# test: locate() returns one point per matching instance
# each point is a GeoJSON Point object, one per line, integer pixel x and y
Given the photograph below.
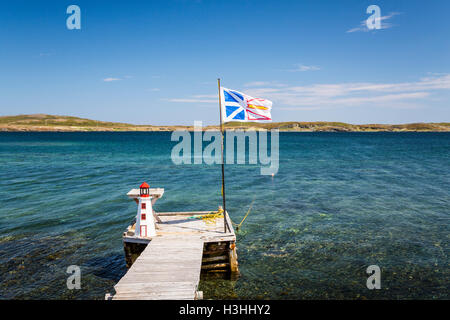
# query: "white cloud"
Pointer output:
{"type": "Point", "coordinates": [351, 94]}
{"type": "Point", "coordinates": [111, 79]}
{"type": "Point", "coordinates": [383, 23]}
{"type": "Point", "coordinates": [192, 100]}
{"type": "Point", "coordinates": [205, 96]}
{"type": "Point", "coordinates": [199, 98]}
{"type": "Point", "coordinates": [303, 68]}
{"type": "Point", "coordinates": [263, 83]}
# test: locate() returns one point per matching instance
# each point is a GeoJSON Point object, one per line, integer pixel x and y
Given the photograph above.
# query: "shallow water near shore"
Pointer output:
{"type": "Point", "coordinates": [339, 203]}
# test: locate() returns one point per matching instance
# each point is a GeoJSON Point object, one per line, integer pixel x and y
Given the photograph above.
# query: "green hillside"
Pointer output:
{"type": "Point", "coordinates": [45, 122]}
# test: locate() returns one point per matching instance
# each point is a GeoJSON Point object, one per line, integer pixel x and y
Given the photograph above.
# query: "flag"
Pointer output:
{"type": "Point", "coordinates": [237, 106]}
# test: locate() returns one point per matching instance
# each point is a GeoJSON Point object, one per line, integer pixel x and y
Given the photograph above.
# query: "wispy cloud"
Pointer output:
{"type": "Point", "coordinates": [200, 98]}
{"type": "Point", "coordinates": [303, 68]}
{"type": "Point", "coordinates": [384, 24]}
{"type": "Point", "coordinates": [111, 79]}
{"type": "Point", "coordinates": [352, 94]}
{"type": "Point", "coordinates": [192, 100]}
{"type": "Point", "coordinates": [263, 83]}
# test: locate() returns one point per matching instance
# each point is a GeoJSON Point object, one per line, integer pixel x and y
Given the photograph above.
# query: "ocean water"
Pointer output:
{"type": "Point", "coordinates": [339, 203]}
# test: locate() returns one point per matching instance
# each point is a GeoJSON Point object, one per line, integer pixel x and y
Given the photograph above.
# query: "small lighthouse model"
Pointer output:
{"type": "Point", "coordinates": [145, 224]}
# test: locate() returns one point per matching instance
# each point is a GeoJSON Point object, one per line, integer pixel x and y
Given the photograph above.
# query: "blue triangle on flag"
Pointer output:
{"type": "Point", "coordinates": [229, 97]}
{"type": "Point", "coordinates": [240, 116]}
{"type": "Point", "coordinates": [237, 95]}
{"type": "Point", "coordinates": [230, 110]}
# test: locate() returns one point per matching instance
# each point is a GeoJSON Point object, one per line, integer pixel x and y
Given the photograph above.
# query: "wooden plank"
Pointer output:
{"type": "Point", "coordinates": [229, 224]}
{"type": "Point", "coordinates": [183, 213]}
{"type": "Point", "coordinates": [161, 284]}
{"type": "Point", "coordinates": [155, 297]}
{"type": "Point", "coordinates": [187, 294]}
{"type": "Point", "coordinates": [149, 278]}
{"type": "Point", "coordinates": [233, 259]}
{"type": "Point", "coordinates": [141, 289]}
{"type": "Point", "coordinates": [169, 268]}
{"type": "Point", "coordinates": [169, 271]}
{"type": "Point", "coordinates": [212, 259]}
{"type": "Point", "coordinates": [215, 266]}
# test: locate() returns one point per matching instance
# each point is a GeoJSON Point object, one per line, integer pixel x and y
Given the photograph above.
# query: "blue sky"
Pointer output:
{"type": "Point", "coordinates": [156, 62]}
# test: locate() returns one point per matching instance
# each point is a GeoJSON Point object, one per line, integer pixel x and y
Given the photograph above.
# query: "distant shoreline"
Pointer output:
{"type": "Point", "coordinates": [55, 123]}
{"type": "Point", "coordinates": [31, 130]}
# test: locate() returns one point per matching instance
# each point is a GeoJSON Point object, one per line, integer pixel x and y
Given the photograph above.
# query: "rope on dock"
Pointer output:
{"type": "Point", "coordinates": [210, 218]}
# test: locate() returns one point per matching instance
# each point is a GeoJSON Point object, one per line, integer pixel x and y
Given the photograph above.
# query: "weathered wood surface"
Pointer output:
{"type": "Point", "coordinates": [170, 265]}
{"type": "Point", "coordinates": [182, 213]}
{"type": "Point", "coordinates": [168, 269]}
{"type": "Point", "coordinates": [181, 224]}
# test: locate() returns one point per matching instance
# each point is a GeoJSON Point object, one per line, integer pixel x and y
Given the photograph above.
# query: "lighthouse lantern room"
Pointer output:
{"type": "Point", "coordinates": [145, 224]}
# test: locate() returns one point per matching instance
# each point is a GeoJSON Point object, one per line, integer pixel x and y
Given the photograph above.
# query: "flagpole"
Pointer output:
{"type": "Point", "coordinates": [223, 163]}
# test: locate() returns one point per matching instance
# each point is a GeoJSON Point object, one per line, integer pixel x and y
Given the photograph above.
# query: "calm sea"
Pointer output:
{"type": "Point", "coordinates": [339, 203]}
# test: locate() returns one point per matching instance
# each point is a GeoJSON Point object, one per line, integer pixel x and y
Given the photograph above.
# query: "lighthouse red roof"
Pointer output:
{"type": "Point", "coordinates": [144, 185]}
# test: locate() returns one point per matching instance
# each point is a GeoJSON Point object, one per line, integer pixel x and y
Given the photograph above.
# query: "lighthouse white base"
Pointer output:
{"type": "Point", "coordinates": [145, 222]}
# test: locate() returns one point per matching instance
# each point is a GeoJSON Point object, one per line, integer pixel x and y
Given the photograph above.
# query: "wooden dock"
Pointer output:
{"type": "Point", "coordinates": [168, 266]}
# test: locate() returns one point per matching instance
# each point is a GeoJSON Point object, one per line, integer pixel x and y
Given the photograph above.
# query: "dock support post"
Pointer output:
{"type": "Point", "coordinates": [233, 260]}
{"type": "Point", "coordinates": [198, 295]}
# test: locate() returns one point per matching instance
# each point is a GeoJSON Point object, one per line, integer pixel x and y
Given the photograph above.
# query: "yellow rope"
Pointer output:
{"type": "Point", "coordinates": [245, 217]}
{"type": "Point", "coordinates": [210, 218]}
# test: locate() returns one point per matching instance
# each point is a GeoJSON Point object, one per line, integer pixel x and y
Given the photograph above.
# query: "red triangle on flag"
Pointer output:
{"type": "Point", "coordinates": [261, 117]}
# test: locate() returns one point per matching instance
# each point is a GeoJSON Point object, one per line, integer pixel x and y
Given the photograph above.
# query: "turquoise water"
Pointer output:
{"type": "Point", "coordinates": [339, 203]}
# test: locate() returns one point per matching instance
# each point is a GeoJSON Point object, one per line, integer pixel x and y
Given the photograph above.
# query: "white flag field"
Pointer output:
{"type": "Point", "coordinates": [237, 106]}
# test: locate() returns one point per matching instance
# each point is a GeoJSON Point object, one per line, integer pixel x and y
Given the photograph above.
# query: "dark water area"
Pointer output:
{"type": "Point", "coordinates": [339, 203]}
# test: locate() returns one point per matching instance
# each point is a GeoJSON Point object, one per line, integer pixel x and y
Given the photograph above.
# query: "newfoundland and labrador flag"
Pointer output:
{"type": "Point", "coordinates": [237, 106]}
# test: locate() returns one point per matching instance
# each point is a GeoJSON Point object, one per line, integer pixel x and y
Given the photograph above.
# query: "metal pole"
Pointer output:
{"type": "Point", "coordinates": [223, 163]}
